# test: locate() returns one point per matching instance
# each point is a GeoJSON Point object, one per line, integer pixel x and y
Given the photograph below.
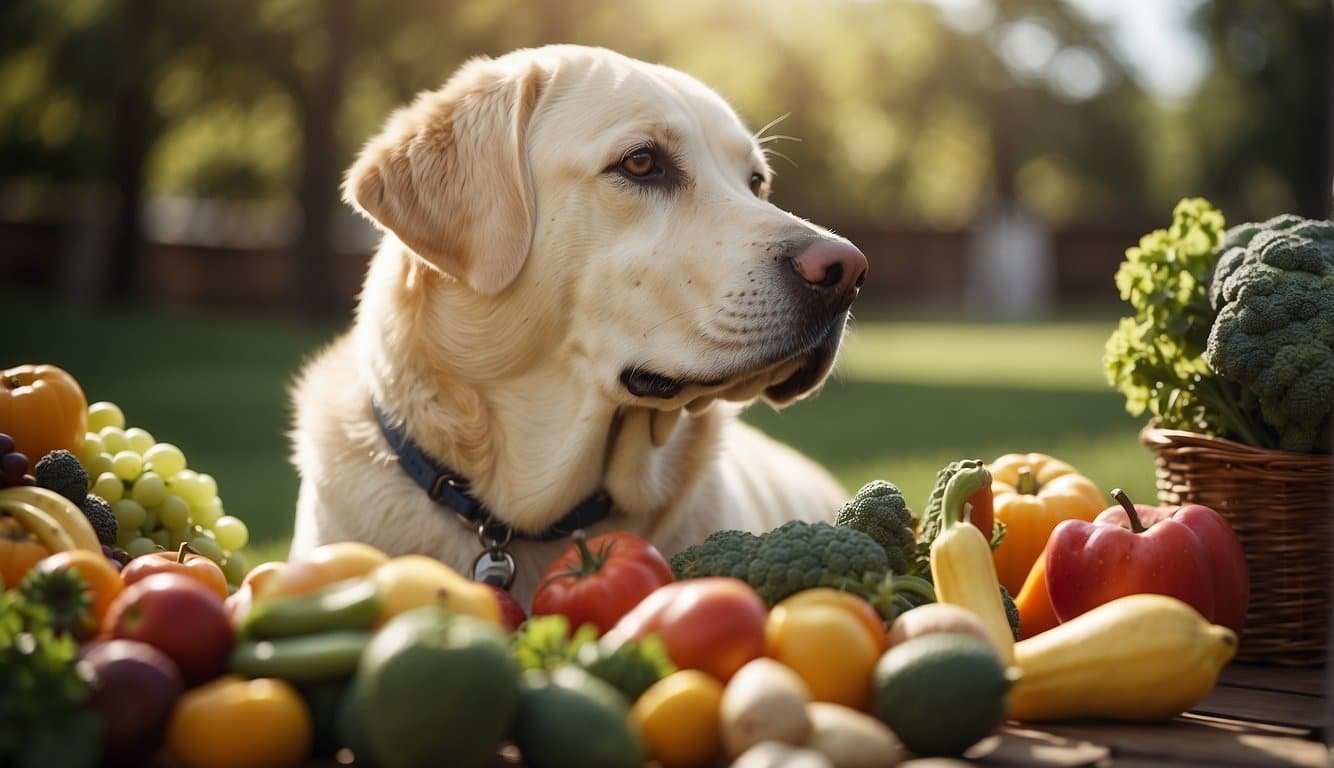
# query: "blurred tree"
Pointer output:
{"type": "Point", "coordinates": [1261, 118]}
{"type": "Point", "coordinates": [910, 113]}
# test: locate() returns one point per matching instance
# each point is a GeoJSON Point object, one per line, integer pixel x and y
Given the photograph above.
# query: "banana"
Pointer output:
{"type": "Point", "coordinates": [62, 510]}
{"type": "Point", "coordinates": [1140, 657]}
{"type": "Point", "coordinates": [39, 524]}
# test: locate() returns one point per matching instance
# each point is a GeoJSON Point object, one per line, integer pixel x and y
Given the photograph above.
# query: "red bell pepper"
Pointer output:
{"type": "Point", "coordinates": [599, 580]}
{"type": "Point", "coordinates": [1189, 553]}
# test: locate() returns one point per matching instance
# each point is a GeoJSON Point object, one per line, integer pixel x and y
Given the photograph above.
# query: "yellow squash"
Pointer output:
{"type": "Point", "coordinates": [961, 566]}
{"type": "Point", "coordinates": [1140, 657]}
{"type": "Point", "coordinates": [1033, 493]}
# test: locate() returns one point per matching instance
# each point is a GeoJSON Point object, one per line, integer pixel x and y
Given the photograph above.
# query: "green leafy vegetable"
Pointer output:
{"type": "Point", "coordinates": [42, 690]}
{"type": "Point", "coordinates": [1155, 357]}
{"type": "Point", "coordinates": [1233, 331]}
{"type": "Point", "coordinates": [544, 643]}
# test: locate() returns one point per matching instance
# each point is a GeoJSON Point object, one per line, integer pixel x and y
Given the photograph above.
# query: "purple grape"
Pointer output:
{"type": "Point", "coordinates": [6, 444]}
{"type": "Point", "coordinates": [14, 466]}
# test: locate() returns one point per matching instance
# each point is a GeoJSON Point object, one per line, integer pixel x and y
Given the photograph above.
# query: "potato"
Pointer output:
{"type": "Point", "coordinates": [936, 617]}
{"type": "Point", "coordinates": [851, 739]}
{"type": "Point", "coordinates": [774, 754]}
{"type": "Point", "coordinates": [764, 701]}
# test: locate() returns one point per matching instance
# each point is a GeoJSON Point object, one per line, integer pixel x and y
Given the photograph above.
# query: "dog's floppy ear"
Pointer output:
{"type": "Point", "coordinates": [449, 175]}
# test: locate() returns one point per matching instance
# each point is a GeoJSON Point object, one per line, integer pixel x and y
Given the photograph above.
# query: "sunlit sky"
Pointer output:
{"type": "Point", "coordinates": [1154, 37]}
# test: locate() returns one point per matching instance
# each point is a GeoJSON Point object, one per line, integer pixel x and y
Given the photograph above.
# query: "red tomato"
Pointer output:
{"type": "Point", "coordinates": [714, 625]}
{"type": "Point", "coordinates": [196, 566]}
{"type": "Point", "coordinates": [597, 581]}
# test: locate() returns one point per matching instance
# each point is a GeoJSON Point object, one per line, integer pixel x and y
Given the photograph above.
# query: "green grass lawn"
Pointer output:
{"type": "Point", "coordinates": [908, 397]}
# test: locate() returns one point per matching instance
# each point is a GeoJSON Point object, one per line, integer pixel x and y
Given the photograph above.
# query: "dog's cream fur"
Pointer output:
{"type": "Point", "coordinates": [517, 278]}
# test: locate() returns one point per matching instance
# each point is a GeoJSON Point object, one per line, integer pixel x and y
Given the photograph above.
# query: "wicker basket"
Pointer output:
{"type": "Point", "coordinates": [1279, 503]}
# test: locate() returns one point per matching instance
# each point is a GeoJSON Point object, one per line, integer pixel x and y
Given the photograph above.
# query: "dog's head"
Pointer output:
{"type": "Point", "coordinates": [615, 213]}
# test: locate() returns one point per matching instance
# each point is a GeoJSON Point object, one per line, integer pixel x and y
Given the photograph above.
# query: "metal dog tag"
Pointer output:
{"type": "Point", "coordinates": [494, 566]}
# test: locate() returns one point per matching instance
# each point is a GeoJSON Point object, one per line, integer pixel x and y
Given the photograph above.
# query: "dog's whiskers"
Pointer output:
{"type": "Point", "coordinates": [756, 136]}
{"type": "Point", "coordinates": [771, 152]}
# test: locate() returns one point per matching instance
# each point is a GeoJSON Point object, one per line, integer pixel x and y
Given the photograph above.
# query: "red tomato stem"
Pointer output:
{"type": "Point", "coordinates": [589, 562]}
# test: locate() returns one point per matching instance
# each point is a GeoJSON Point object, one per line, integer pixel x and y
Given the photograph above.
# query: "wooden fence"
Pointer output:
{"type": "Point", "coordinates": [915, 267]}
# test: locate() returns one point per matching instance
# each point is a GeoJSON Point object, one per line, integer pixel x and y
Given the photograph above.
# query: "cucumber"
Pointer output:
{"type": "Point", "coordinates": [349, 604]}
{"type": "Point", "coordinates": [301, 659]}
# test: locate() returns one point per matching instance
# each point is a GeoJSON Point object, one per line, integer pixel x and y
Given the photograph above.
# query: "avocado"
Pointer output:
{"type": "Point", "coordinates": [572, 718]}
{"type": "Point", "coordinates": [436, 689]}
{"type": "Point", "coordinates": [941, 693]}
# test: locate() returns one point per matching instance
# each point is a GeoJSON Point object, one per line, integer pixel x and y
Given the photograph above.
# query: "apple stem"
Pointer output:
{"type": "Point", "coordinates": [185, 549]}
{"type": "Point", "coordinates": [1124, 500]}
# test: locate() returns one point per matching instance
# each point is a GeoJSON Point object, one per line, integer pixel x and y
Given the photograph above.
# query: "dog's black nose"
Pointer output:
{"type": "Point", "coordinates": [833, 266]}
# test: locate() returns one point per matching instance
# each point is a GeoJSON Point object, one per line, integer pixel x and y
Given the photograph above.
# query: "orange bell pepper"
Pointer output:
{"type": "Point", "coordinates": [1036, 614]}
{"type": "Point", "coordinates": [1033, 493]}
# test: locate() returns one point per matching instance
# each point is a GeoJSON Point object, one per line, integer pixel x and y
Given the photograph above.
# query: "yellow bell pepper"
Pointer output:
{"type": "Point", "coordinates": [1033, 493]}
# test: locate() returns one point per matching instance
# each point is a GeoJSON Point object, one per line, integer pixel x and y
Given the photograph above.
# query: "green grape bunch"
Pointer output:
{"type": "Point", "coordinates": [159, 502]}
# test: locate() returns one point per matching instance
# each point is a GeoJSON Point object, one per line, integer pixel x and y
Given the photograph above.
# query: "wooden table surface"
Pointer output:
{"type": "Point", "coordinates": [1256, 716]}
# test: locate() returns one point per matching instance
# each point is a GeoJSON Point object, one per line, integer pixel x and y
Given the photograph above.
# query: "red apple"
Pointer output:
{"type": "Point", "coordinates": [134, 688]}
{"type": "Point", "coordinates": [184, 561]}
{"type": "Point", "coordinates": [178, 616]}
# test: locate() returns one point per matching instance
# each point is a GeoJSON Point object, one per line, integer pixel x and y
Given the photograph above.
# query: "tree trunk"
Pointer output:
{"type": "Point", "coordinates": [314, 279]}
{"type": "Point", "coordinates": [132, 135]}
{"type": "Point", "coordinates": [1327, 93]}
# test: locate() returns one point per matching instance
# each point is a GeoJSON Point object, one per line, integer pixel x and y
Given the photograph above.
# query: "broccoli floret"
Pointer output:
{"type": "Point", "coordinates": [99, 513]}
{"type": "Point", "coordinates": [1011, 611]}
{"type": "Point", "coordinates": [724, 553]}
{"type": "Point", "coordinates": [880, 511]}
{"type": "Point", "coordinates": [800, 555]}
{"type": "Point", "coordinates": [60, 471]}
{"type": "Point", "coordinates": [1273, 290]}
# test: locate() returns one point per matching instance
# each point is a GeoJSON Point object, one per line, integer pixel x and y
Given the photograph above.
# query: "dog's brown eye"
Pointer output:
{"type": "Point", "coordinates": [639, 163]}
{"type": "Point", "coordinates": [756, 184]}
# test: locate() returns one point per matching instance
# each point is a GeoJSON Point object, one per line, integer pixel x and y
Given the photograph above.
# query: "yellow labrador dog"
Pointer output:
{"type": "Point", "coordinates": [580, 283]}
